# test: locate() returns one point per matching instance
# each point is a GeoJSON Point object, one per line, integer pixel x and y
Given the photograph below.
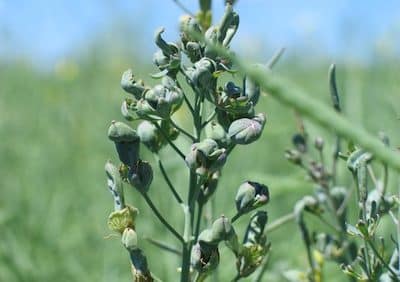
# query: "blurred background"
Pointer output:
{"type": "Point", "coordinates": [60, 67]}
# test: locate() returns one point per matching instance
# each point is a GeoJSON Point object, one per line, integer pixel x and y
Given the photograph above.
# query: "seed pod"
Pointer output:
{"type": "Point", "coordinates": [128, 109]}
{"type": "Point", "coordinates": [299, 142]}
{"type": "Point", "coordinates": [131, 85]}
{"type": "Point", "coordinates": [120, 220]}
{"type": "Point", "coordinates": [169, 57]}
{"type": "Point", "coordinates": [140, 176]}
{"type": "Point", "coordinates": [126, 141]}
{"type": "Point", "coordinates": [245, 131]}
{"type": "Point", "coordinates": [129, 239]}
{"type": "Point", "coordinates": [250, 196]}
{"type": "Point", "coordinates": [208, 188]}
{"type": "Point", "coordinates": [222, 230]}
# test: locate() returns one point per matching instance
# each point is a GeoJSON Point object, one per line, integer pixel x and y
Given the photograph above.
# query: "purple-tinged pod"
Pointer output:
{"type": "Point", "coordinates": [250, 196]}
{"type": "Point", "coordinates": [140, 176]}
{"type": "Point", "coordinates": [131, 85]}
{"type": "Point", "coordinates": [245, 130]}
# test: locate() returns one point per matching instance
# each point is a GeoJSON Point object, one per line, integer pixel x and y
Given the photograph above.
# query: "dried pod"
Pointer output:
{"type": "Point", "coordinates": [121, 219]}
{"type": "Point", "coordinates": [140, 176]}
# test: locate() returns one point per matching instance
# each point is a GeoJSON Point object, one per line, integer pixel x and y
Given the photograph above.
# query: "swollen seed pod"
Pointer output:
{"type": "Point", "coordinates": [120, 220]}
{"type": "Point", "coordinates": [131, 85]}
{"type": "Point", "coordinates": [140, 176]}
{"type": "Point", "coordinates": [222, 230]}
{"type": "Point", "coordinates": [129, 239]}
{"type": "Point", "coordinates": [204, 260]}
{"type": "Point", "coordinates": [245, 131]}
{"type": "Point", "coordinates": [250, 196]}
{"type": "Point", "coordinates": [216, 132]}
{"type": "Point", "coordinates": [126, 141]}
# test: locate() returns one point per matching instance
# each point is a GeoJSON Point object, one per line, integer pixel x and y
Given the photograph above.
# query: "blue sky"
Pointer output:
{"type": "Point", "coordinates": [46, 31]}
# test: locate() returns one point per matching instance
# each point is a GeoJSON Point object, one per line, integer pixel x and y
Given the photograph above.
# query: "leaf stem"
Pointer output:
{"type": "Point", "coordinates": [169, 183]}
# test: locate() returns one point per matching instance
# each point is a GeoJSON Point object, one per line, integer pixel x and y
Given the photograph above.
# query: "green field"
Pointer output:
{"type": "Point", "coordinates": [54, 201]}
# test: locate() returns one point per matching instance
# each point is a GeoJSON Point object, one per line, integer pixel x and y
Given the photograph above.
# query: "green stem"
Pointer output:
{"type": "Point", "coordinates": [279, 222]}
{"type": "Point", "coordinates": [198, 221]}
{"type": "Point", "coordinates": [179, 152]}
{"type": "Point", "coordinates": [163, 246]}
{"type": "Point", "coordinates": [169, 183]}
{"type": "Point", "coordinates": [183, 131]}
{"type": "Point", "coordinates": [370, 243]}
{"type": "Point", "coordinates": [161, 218]}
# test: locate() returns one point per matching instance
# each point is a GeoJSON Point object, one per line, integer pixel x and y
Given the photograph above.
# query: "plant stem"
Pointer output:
{"type": "Point", "coordinates": [179, 152]}
{"type": "Point", "coordinates": [183, 131]}
{"type": "Point", "coordinates": [165, 175]}
{"type": "Point", "coordinates": [161, 218]}
{"type": "Point", "coordinates": [198, 221]}
{"type": "Point", "coordinates": [370, 243]}
{"type": "Point", "coordinates": [163, 246]}
{"type": "Point", "coordinates": [279, 222]}
{"type": "Point", "coordinates": [185, 271]}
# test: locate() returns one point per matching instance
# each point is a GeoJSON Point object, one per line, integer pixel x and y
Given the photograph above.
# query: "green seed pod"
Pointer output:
{"type": "Point", "coordinates": [149, 136]}
{"type": "Point", "coordinates": [168, 58]}
{"type": "Point", "coordinates": [127, 142]}
{"type": "Point", "coordinates": [114, 183]}
{"type": "Point", "coordinates": [202, 76]}
{"type": "Point", "coordinates": [129, 239]}
{"type": "Point", "coordinates": [222, 230]}
{"type": "Point", "coordinates": [204, 261]}
{"type": "Point", "coordinates": [228, 26]}
{"type": "Point", "coordinates": [205, 157]}
{"type": "Point", "coordinates": [120, 220]}
{"type": "Point", "coordinates": [245, 130]}
{"type": "Point", "coordinates": [131, 85]}
{"type": "Point", "coordinates": [211, 36]}
{"type": "Point", "coordinates": [250, 196]}
{"type": "Point", "coordinates": [140, 176]}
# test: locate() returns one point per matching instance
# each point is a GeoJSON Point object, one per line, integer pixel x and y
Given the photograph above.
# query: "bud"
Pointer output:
{"type": "Point", "coordinates": [168, 58]}
{"type": "Point", "coordinates": [216, 132]}
{"type": "Point", "coordinates": [205, 157]}
{"type": "Point", "coordinates": [128, 109]}
{"type": "Point", "coordinates": [299, 142]}
{"type": "Point", "coordinates": [129, 239]}
{"type": "Point", "coordinates": [149, 136]}
{"type": "Point", "coordinates": [293, 156]}
{"type": "Point", "coordinates": [251, 256]}
{"type": "Point", "coordinates": [245, 131]}
{"type": "Point", "coordinates": [131, 85]}
{"type": "Point", "coordinates": [319, 143]}
{"type": "Point", "coordinates": [250, 196]}
{"type": "Point", "coordinates": [202, 76]}
{"type": "Point", "coordinates": [140, 176]}
{"type": "Point", "coordinates": [120, 220]}
{"type": "Point", "coordinates": [127, 142]}
{"type": "Point", "coordinates": [160, 102]}
{"type": "Point", "coordinates": [222, 230]}
{"type": "Point", "coordinates": [208, 188]}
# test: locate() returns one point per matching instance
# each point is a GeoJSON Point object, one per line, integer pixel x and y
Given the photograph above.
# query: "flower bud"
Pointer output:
{"type": "Point", "coordinates": [149, 136]}
{"type": "Point", "coordinates": [245, 130]}
{"type": "Point", "coordinates": [202, 76]}
{"type": "Point", "coordinates": [299, 142]}
{"type": "Point", "coordinates": [128, 109]}
{"type": "Point", "coordinates": [129, 239]}
{"type": "Point", "coordinates": [251, 256]}
{"type": "Point", "coordinates": [131, 85]}
{"type": "Point", "coordinates": [319, 143]}
{"type": "Point", "coordinates": [140, 176]}
{"type": "Point", "coordinates": [126, 141]}
{"type": "Point", "coordinates": [120, 220]}
{"type": "Point", "coordinates": [250, 196]}
{"type": "Point", "coordinates": [160, 102]}
{"type": "Point", "coordinates": [205, 157]}
{"type": "Point", "coordinates": [293, 156]}
{"type": "Point", "coordinates": [168, 58]}
{"type": "Point", "coordinates": [208, 188]}
{"type": "Point", "coordinates": [216, 132]}
{"type": "Point", "coordinates": [222, 230]}
{"type": "Point", "coordinates": [228, 26]}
